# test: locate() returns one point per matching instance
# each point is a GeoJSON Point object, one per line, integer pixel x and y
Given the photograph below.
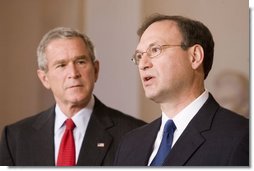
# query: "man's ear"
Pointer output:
{"type": "Point", "coordinates": [43, 77]}
{"type": "Point", "coordinates": [197, 56]}
{"type": "Point", "coordinates": [96, 69]}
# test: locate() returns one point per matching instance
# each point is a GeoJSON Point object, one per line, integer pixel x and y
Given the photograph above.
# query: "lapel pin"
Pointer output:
{"type": "Point", "coordinates": [100, 144]}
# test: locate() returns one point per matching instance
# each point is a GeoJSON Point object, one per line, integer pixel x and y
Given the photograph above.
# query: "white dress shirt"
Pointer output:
{"type": "Point", "coordinates": [181, 121]}
{"type": "Point", "coordinates": [80, 119]}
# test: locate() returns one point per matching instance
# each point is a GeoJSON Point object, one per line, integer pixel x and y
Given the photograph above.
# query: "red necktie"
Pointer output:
{"type": "Point", "coordinates": [66, 155]}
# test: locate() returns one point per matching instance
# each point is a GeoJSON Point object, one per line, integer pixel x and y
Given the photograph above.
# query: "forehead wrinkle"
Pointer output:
{"type": "Point", "coordinates": [81, 57]}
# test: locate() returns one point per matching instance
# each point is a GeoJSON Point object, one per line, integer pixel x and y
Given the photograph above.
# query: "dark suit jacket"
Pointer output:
{"type": "Point", "coordinates": [30, 142]}
{"type": "Point", "coordinates": [214, 137]}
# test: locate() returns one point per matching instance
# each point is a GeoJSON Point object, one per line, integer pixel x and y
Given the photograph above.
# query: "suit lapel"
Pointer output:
{"type": "Point", "coordinates": [186, 145]}
{"type": "Point", "coordinates": [97, 140]}
{"type": "Point", "coordinates": [191, 139]}
{"type": "Point", "coordinates": [43, 139]}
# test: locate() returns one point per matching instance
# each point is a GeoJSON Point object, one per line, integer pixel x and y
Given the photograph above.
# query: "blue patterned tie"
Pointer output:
{"type": "Point", "coordinates": [165, 145]}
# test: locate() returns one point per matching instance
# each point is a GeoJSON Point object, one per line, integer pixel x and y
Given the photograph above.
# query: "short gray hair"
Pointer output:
{"type": "Point", "coordinates": [60, 33]}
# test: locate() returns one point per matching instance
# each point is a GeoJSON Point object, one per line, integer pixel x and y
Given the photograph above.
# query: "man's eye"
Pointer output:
{"type": "Point", "coordinates": [138, 56]}
{"type": "Point", "coordinates": [60, 65]}
{"type": "Point", "coordinates": [81, 61]}
{"type": "Point", "coordinates": [154, 49]}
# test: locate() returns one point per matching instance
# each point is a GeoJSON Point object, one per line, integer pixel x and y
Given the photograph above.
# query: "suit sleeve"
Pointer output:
{"type": "Point", "coordinates": [5, 154]}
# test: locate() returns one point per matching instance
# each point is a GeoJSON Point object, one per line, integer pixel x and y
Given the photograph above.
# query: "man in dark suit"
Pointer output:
{"type": "Point", "coordinates": [174, 57]}
{"type": "Point", "coordinates": [67, 66]}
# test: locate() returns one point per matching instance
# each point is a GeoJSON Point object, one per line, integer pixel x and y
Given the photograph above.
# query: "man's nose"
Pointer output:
{"type": "Point", "coordinates": [145, 62]}
{"type": "Point", "coordinates": [73, 71]}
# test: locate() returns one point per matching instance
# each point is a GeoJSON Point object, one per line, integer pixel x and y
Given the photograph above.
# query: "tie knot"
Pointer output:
{"type": "Point", "coordinates": [69, 124]}
{"type": "Point", "coordinates": [169, 126]}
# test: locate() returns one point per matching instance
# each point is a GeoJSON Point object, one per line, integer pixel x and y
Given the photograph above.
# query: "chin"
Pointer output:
{"type": "Point", "coordinates": [155, 97]}
{"type": "Point", "coordinates": [150, 96]}
{"type": "Point", "coordinates": [77, 100]}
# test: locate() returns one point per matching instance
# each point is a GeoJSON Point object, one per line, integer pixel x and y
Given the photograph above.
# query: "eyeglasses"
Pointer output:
{"type": "Point", "coordinates": [151, 52]}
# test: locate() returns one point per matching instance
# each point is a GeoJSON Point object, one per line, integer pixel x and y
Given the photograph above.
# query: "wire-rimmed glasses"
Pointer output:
{"type": "Point", "coordinates": [152, 51]}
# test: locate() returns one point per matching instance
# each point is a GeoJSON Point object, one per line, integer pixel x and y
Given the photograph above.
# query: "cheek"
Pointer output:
{"type": "Point", "coordinates": [56, 85]}
{"type": "Point", "coordinates": [55, 81]}
{"type": "Point", "coordinates": [167, 74]}
{"type": "Point", "coordinates": [169, 71]}
{"type": "Point", "coordinates": [166, 67]}
{"type": "Point", "coordinates": [90, 76]}
{"type": "Point", "coordinates": [185, 67]}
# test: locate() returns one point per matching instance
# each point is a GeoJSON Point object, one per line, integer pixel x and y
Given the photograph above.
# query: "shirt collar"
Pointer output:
{"type": "Point", "coordinates": [79, 118]}
{"type": "Point", "coordinates": [183, 118]}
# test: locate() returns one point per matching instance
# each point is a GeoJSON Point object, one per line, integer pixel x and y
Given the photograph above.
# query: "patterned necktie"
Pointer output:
{"type": "Point", "coordinates": [66, 155]}
{"type": "Point", "coordinates": [165, 145]}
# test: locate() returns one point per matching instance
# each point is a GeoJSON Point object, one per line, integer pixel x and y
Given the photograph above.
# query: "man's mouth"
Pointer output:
{"type": "Point", "coordinates": [75, 86]}
{"type": "Point", "coordinates": [147, 78]}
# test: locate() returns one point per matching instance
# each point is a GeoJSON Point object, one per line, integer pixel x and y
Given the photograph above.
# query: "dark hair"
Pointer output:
{"type": "Point", "coordinates": [193, 32]}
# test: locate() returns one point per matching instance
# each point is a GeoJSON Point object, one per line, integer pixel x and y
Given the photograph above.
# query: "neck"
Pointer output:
{"type": "Point", "coordinates": [172, 107]}
{"type": "Point", "coordinates": [70, 109]}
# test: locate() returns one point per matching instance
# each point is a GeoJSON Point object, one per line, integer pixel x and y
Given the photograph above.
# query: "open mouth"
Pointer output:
{"type": "Point", "coordinates": [147, 78]}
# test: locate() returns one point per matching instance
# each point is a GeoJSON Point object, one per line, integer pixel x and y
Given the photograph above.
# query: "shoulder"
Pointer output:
{"type": "Point", "coordinates": [123, 118]}
{"type": "Point", "coordinates": [146, 131]}
{"type": "Point", "coordinates": [117, 116]}
{"type": "Point", "coordinates": [220, 116]}
{"type": "Point", "coordinates": [136, 144]}
{"type": "Point", "coordinates": [220, 123]}
{"type": "Point", "coordinates": [230, 120]}
{"type": "Point", "coordinates": [29, 122]}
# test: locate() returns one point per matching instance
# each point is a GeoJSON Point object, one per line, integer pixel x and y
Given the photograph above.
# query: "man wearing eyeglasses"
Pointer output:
{"type": "Point", "coordinates": [174, 56]}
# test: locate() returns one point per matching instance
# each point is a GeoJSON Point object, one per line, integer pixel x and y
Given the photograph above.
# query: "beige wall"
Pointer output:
{"type": "Point", "coordinates": [112, 26]}
{"type": "Point", "coordinates": [22, 25]}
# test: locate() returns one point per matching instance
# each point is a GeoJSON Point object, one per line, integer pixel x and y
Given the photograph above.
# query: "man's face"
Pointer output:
{"type": "Point", "coordinates": [168, 74]}
{"type": "Point", "coordinates": [71, 73]}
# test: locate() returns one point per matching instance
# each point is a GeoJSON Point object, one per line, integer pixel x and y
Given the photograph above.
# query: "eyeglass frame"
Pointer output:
{"type": "Point", "coordinates": [134, 57]}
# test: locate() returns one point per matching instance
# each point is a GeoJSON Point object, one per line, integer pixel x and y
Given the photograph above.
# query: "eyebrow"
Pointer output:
{"type": "Point", "coordinates": [81, 57]}
{"type": "Point", "coordinates": [151, 44]}
{"type": "Point", "coordinates": [75, 58]}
